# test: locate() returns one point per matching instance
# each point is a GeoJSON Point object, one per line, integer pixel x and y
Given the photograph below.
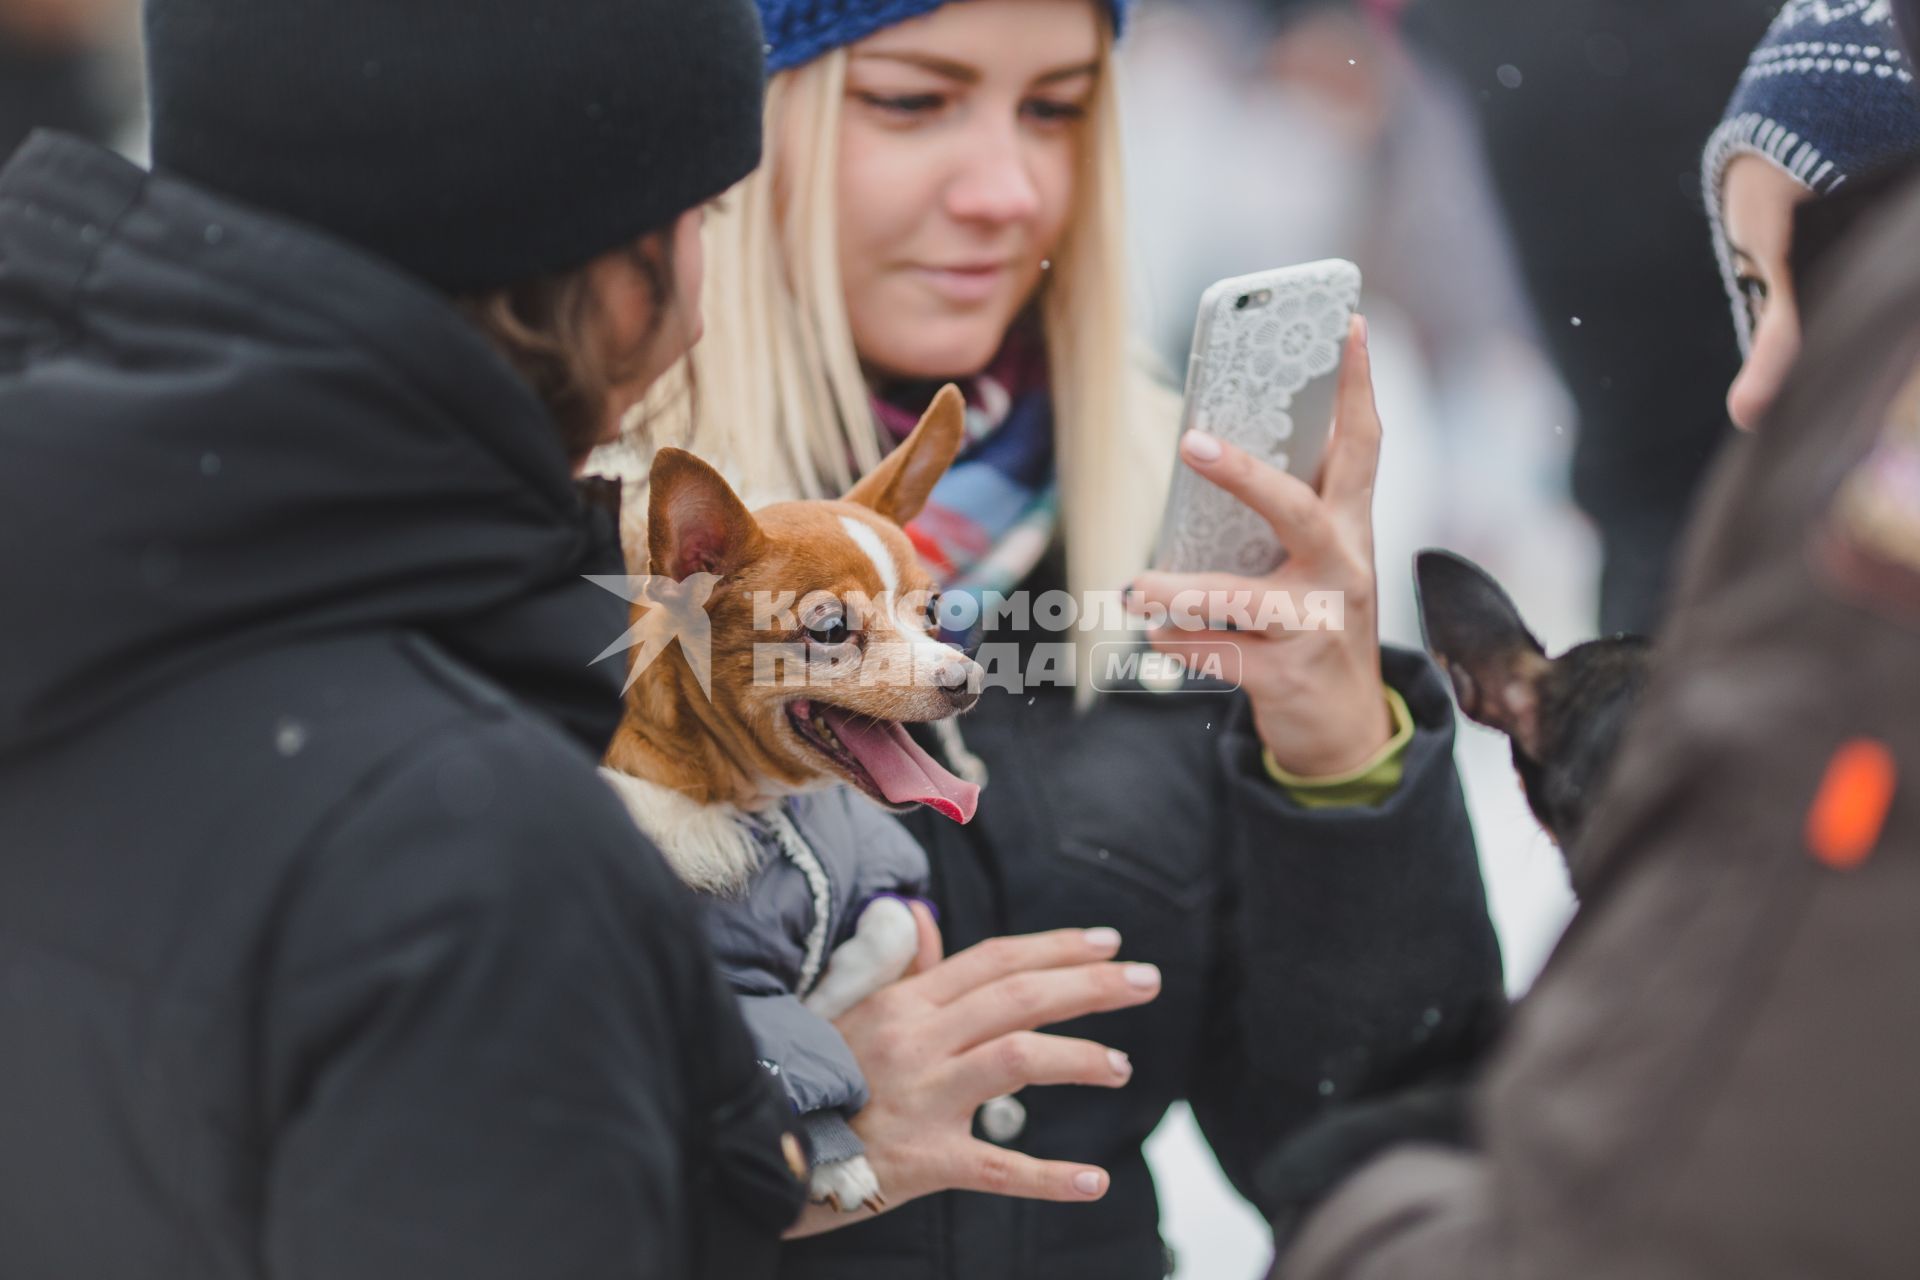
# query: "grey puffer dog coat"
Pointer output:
{"type": "Point", "coordinates": [825, 856]}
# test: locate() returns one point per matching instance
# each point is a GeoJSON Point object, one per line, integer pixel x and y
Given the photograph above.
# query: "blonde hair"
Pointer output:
{"type": "Point", "coordinates": [784, 408]}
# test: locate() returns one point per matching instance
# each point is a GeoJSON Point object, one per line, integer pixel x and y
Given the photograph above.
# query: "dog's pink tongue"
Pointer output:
{"type": "Point", "coordinates": [906, 774]}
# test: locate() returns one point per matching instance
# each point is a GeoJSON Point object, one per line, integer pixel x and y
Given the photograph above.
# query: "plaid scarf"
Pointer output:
{"type": "Point", "coordinates": [991, 517]}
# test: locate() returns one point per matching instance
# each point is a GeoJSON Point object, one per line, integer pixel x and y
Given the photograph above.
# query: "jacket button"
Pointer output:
{"type": "Point", "coordinates": [1002, 1119]}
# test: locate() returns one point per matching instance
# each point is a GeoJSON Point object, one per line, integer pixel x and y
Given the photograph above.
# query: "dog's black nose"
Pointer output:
{"type": "Point", "coordinates": [960, 683]}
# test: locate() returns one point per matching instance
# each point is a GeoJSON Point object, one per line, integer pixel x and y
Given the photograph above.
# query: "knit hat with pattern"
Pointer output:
{"type": "Point", "coordinates": [1828, 95]}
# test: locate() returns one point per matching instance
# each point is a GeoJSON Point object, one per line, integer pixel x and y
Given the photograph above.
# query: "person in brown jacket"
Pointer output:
{"type": "Point", "coordinates": [1714, 1077]}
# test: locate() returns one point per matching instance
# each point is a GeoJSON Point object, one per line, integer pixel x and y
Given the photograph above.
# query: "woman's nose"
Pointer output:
{"type": "Point", "coordinates": [1776, 345]}
{"type": "Point", "coordinates": [995, 184]}
{"type": "Point", "coordinates": [1746, 402]}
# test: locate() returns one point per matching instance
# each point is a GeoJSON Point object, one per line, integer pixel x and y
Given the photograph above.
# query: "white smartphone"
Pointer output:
{"type": "Point", "coordinates": [1266, 362]}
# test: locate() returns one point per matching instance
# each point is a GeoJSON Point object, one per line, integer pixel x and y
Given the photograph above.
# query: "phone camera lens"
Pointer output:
{"type": "Point", "coordinates": [1240, 303]}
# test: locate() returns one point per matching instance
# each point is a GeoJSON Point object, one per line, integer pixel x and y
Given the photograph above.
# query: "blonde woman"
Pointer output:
{"type": "Point", "coordinates": [1290, 867]}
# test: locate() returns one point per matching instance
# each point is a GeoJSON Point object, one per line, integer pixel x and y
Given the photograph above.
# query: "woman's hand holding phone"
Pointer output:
{"type": "Point", "coordinates": [1318, 701]}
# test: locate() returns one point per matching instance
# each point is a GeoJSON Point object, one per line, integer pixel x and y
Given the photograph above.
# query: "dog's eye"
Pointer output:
{"type": "Point", "coordinates": [932, 618]}
{"type": "Point", "coordinates": [829, 629]}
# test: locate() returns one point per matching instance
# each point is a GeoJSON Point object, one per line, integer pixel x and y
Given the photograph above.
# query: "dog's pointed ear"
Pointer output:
{"type": "Point", "coordinates": [695, 521]}
{"type": "Point", "coordinates": [899, 486]}
{"type": "Point", "coordinates": [1479, 639]}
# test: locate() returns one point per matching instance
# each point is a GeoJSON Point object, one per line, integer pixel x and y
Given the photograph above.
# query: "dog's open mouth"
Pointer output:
{"type": "Point", "coordinates": [878, 757]}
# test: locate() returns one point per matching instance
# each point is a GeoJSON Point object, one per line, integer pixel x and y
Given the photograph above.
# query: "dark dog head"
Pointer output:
{"type": "Point", "coordinates": [1565, 715]}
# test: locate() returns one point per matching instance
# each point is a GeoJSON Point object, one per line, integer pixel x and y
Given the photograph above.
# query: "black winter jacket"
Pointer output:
{"type": "Point", "coordinates": [324, 952]}
{"type": "Point", "coordinates": [1307, 957]}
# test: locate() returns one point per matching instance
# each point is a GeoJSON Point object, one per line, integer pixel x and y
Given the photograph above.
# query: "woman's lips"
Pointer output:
{"type": "Point", "coordinates": [970, 282]}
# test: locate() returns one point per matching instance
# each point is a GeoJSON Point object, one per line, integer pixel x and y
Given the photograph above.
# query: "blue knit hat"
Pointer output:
{"type": "Point", "coordinates": [799, 31]}
{"type": "Point", "coordinates": [1828, 95]}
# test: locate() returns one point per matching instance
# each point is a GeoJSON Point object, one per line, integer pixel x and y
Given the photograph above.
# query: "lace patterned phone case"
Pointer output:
{"type": "Point", "coordinates": [1264, 369]}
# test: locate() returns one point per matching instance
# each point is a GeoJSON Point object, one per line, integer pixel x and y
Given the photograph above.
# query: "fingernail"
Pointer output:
{"type": "Point", "coordinates": [1363, 337]}
{"type": "Point", "coordinates": [1201, 447]}
{"type": "Point", "coordinates": [1143, 976]}
{"type": "Point", "coordinates": [1089, 1183]}
{"type": "Point", "coordinates": [1122, 1065]}
{"type": "Point", "coordinates": [1102, 939]}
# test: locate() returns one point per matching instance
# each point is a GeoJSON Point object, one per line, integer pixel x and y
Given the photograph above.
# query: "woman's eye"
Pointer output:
{"type": "Point", "coordinates": [1754, 290]}
{"type": "Point", "coordinates": [1049, 111]}
{"type": "Point", "coordinates": [905, 106]}
{"type": "Point", "coordinates": [830, 630]}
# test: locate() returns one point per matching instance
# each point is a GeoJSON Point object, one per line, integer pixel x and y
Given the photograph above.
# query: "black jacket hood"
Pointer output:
{"type": "Point", "coordinates": [221, 431]}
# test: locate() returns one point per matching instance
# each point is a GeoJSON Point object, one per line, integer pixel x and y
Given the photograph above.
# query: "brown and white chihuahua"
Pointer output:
{"type": "Point", "coordinates": [835, 584]}
{"type": "Point", "coordinates": [819, 651]}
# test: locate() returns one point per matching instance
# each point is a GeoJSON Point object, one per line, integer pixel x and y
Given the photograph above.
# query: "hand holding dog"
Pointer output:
{"type": "Point", "coordinates": [1318, 701]}
{"type": "Point", "coordinates": [939, 1043]}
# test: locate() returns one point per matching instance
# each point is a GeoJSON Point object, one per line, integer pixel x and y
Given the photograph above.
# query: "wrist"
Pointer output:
{"type": "Point", "coordinates": [817, 1219]}
{"type": "Point", "coordinates": [1348, 744]}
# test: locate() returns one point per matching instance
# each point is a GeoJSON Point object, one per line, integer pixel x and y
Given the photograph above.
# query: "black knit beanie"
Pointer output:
{"type": "Point", "coordinates": [473, 144]}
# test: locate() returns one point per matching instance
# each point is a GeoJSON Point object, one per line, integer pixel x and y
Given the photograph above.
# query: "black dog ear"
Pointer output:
{"type": "Point", "coordinates": [1479, 639]}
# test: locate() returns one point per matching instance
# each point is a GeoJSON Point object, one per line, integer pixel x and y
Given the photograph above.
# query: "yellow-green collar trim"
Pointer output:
{"type": "Point", "coordinates": [1370, 785]}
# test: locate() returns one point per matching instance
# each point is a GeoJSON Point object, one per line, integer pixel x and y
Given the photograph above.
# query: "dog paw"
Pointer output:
{"type": "Point", "coordinates": [881, 949]}
{"type": "Point", "coordinates": [848, 1185]}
